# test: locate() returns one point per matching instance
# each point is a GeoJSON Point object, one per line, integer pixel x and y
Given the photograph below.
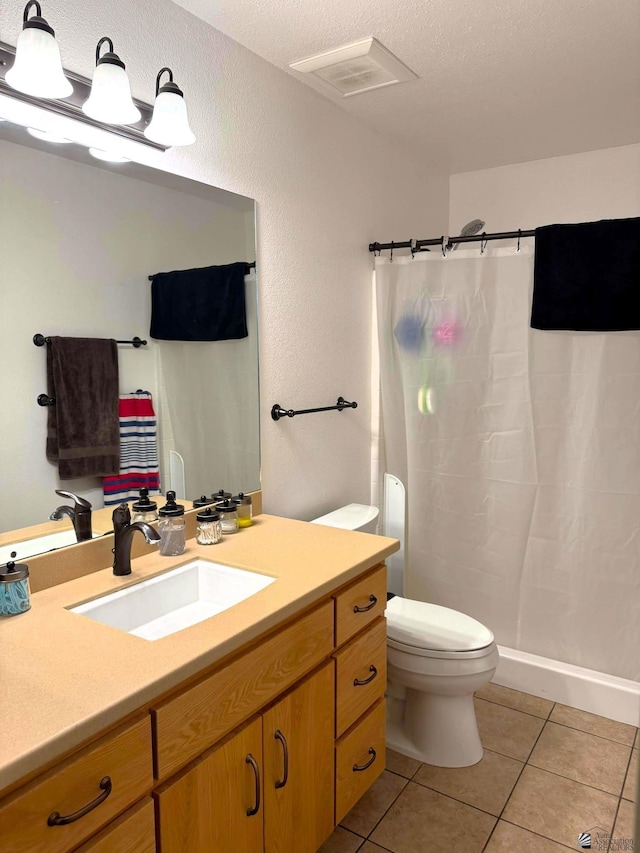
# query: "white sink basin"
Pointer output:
{"type": "Point", "coordinates": [39, 545]}
{"type": "Point", "coordinates": [174, 600]}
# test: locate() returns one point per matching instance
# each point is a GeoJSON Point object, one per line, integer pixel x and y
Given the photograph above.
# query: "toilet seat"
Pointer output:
{"type": "Point", "coordinates": [429, 630]}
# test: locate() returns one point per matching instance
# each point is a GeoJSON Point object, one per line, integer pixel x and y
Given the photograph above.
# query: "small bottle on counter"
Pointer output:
{"type": "Point", "coordinates": [171, 527]}
{"type": "Point", "coordinates": [228, 510]}
{"type": "Point", "coordinates": [14, 589]}
{"type": "Point", "coordinates": [220, 495]}
{"type": "Point", "coordinates": [144, 509]}
{"type": "Point", "coordinates": [209, 528]}
{"type": "Point", "coordinates": [245, 509]}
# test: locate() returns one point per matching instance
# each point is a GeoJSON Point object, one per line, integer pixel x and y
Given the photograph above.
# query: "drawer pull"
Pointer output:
{"type": "Point", "coordinates": [285, 775]}
{"type": "Point", "coordinates": [357, 682]}
{"type": "Point", "coordinates": [251, 760]}
{"type": "Point", "coordinates": [364, 609]}
{"type": "Point", "coordinates": [56, 819]}
{"type": "Point", "coordinates": [359, 768]}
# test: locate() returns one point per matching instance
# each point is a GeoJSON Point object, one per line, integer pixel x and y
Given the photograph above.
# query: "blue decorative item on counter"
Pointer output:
{"type": "Point", "coordinates": [14, 589]}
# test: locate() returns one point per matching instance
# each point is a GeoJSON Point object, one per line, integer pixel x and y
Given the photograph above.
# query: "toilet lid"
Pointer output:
{"type": "Point", "coordinates": [429, 626]}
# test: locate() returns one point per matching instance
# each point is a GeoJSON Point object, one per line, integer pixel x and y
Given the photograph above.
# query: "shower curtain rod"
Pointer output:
{"type": "Point", "coordinates": [419, 245]}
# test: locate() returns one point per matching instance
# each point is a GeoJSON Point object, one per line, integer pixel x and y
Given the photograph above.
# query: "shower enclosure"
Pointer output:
{"type": "Point", "coordinates": [520, 453]}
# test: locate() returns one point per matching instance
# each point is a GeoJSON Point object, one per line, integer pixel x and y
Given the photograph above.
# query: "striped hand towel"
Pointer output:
{"type": "Point", "coordinates": [138, 450]}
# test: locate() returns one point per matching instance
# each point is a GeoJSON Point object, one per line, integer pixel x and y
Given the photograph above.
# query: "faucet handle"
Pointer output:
{"type": "Point", "coordinates": [80, 503]}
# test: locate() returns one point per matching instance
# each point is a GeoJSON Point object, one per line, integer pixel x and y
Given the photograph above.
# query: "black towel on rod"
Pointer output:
{"type": "Point", "coordinates": [587, 276]}
{"type": "Point", "coordinates": [83, 431]}
{"type": "Point", "coordinates": [201, 304]}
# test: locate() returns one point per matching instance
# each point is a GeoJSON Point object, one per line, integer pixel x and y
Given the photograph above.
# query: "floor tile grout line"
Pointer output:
{"type": "Point", "coordinates": [566, 725]}
{"type": "Point", "coordinates": [368, 836]}
{"type": "Point", "coordinates": [537, 834]}
{"type": "Point", "coordinates": [511, 708]}
{"type": "Point", "coordinates": [602, 737]}
{"type": "Point", "coordinates": [524, 764]}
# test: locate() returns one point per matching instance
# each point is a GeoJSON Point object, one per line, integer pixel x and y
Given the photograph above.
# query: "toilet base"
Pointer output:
{"type": "Point", "coordinates": [437, 730]}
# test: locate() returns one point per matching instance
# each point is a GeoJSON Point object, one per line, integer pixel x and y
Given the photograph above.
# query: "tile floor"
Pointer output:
{"type": "Point", "coordinates": [549, 772]}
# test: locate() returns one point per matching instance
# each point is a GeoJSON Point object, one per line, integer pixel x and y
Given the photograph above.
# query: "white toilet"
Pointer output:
{"type": "Point", "coordinates": [436, 659]}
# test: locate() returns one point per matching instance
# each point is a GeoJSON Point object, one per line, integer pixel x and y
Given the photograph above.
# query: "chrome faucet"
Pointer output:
{"type": "Point", "coordinates": [123, 532]}
{"type": "Point", "coordinates": [79, 513]}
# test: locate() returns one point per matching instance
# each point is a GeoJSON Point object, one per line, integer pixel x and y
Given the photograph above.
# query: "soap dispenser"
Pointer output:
{"type": "Point", "coordinates": [171, 527]}
{"type": "Point", "coordinates": [144, 509]}
{"type": "Point", "coordinates": [14, 589]}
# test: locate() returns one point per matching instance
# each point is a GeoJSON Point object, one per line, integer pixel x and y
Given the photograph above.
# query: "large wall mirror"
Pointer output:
{"type": "Point", "coordinates": [78, 242]}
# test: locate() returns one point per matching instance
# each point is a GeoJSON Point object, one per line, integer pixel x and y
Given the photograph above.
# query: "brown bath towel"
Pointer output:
{"type": "Point", "coordinates": [83, 434]}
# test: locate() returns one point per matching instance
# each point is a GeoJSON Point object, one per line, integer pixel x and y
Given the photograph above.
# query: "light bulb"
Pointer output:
{"type": "Point", "coordinates": [169, 125]}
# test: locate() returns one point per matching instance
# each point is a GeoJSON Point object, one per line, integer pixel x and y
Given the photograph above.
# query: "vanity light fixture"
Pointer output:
{"type": "Point", "coordinates": [169, 125]}
{"type": "Point", "coordinates": [110, 99]}
{"type": "Point", "coordinates": [37, 69]}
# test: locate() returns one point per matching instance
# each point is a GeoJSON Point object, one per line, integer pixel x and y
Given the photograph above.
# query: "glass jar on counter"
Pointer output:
{"type": "Point", "coordinates": [245, 509]}
{"type": "Point", "coordinates": [203, 501]}
{"type": "Point", "coordinates": [209, 530]}
{"type": "Point", "coordinates": [171, 527]}
{"type": "Point", "coordinates": [220, 495]}
{"type": "Point", "coordinates": [14, 589]}
{"type": "Point", "coordinates": [228, 510]}
{"type": "Point", "coordinates": [144, 509]}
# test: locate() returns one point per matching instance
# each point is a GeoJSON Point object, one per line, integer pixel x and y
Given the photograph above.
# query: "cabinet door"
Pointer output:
{"type": "Point", "coordinates": [216, 805]}
{"type": "Point", "coordinates": [299, 766]}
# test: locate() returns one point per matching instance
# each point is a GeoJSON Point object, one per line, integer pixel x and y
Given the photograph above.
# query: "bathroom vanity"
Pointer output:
{"type": "Point", "coordinates": [254, 730]}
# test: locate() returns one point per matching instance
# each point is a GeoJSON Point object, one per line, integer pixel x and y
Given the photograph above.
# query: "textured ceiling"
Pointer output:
{"type": "Point", "coordinates": [500, 81]}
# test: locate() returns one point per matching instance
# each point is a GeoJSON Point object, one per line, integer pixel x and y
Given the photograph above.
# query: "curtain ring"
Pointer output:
{"type": "Point", "coordinates": [445, 240]}
{"type": "Point", "coordinates": [412, 246]}
{"type": "Point", "coordinates": [391, 255]}
{"type": "Point", "coordinates": [483, 242]}
{"type": "Point", "coordinates": [519, 235]}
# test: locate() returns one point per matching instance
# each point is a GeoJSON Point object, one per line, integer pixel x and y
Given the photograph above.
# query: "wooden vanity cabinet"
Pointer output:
{"type": "Point", "coordinates": [264, 753]}
{"type": "Point", "coordinates": [215, 805]}
{"type": "Point", "coordinates": [268, 786]}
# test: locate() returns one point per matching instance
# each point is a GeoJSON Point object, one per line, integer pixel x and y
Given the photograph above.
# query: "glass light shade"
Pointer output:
{"type": "Point", "coordinates": [110, 99]}
{"type": "Point", "coordinates": [170, 125]}
{"type": "Point", "coordinates": [37, 69]}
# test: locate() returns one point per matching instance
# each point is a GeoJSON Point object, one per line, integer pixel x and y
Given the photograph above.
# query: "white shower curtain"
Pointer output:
{"type": "Point", "coordinates": [520, 452]}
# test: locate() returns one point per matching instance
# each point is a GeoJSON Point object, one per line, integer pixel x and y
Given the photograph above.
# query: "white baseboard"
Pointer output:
{"type": "Point", "coordinates": [586, 689]}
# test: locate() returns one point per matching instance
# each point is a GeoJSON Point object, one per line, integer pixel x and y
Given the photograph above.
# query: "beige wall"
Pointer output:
{"type": "Point", "coordinates": [578, 188]}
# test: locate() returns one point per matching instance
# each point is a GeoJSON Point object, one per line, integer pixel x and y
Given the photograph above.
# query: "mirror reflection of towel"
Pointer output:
{"type": "Point", "coordinates": [587, 276]}
{"type": "Point", "coordinates": [83, 434]}
{"type": "Point", "coordinates": [201, 304]}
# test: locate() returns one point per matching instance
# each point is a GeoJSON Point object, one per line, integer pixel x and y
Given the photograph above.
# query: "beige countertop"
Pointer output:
{"type": "Point", "coordinates": [64, 678]}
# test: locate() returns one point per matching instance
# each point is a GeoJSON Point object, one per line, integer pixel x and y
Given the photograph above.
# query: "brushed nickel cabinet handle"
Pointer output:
{"type": "Point", "coordinates": [359, 768]}
{"type": "Point", "coordinates": [285, 774]}
{"type": "Point", "coordinates": [254, 764]}
{"type": "Point", "coordinates": [56, 819]}
{"type": "Point", "coordinates": [357, 682]}
{"type": "Point", "coordinates": [364, 609]}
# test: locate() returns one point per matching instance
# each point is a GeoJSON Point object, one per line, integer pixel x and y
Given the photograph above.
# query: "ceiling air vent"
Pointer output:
{"type": "Point", "coordinates": [356, 68]}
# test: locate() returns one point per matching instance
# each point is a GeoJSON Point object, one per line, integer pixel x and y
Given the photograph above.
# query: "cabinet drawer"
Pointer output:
{"type": "Point", "coordinates": [360, 759]}
{"type": "Point", "coordinates": [360, 603]}
{"type": "Point", "coordinates": [134, 832]}
{"type": "Point", "coordinates": [195, 719]}
{"type": "Point", "coordinates": [361, 674]}
{"type": "Point", "coordinates": [124, 756]}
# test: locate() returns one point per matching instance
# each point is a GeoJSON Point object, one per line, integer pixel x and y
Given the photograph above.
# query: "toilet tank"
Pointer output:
{"type": "Point", "coordinates": [351, 517]}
